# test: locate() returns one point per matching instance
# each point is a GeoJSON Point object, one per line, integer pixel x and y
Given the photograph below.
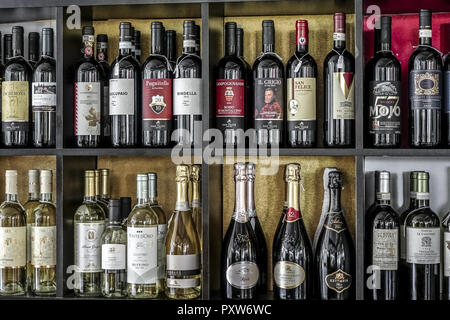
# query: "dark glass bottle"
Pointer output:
{"type": "Point", "coordinates": [425, 76]}
{"type": "Point", "coordinates": [446, 257]}
{"type": "Point", "coordinates": [197, 39]}
{"type": "Point", "coordinates": [33, 48]}
{"type": "Point", "coordinates": [249, 111]}
{"type": "Point", "coordinates": [156, 93]}
{"type": "Point", "coordinates": [137, 45]}
{"type": "Point", "coordinates": [301, 73]}
{"type": "Point", "coordinates": [240, 271]}
{"type": "Point", "coordinates": [446, 96]}
{"type": "Point", "coordinates": [187, 90]}
{"type": "Point", "coordinates": [16, 95]}
{"type": "Point", "coordinates": [231, 92]}
{"type": "Point", "coordinates": [384, 90]}
{"type": "Point", "coordinates": [171, 47]}
{"type": "Point", "coordinates": [382, 241]}
{"type": "Point", "coordinates": [7, 47]}
{"type": "Point", "coordinates": [43, 94]}
{"type": "Point", "coordinates": [2, 73]}
{"type": "Point", "coordinates": [102, 58]}
{"type": "Point", "coordinates": [88, 89]}
{"type": "Point", "coordinates": [338, 75]}
{"type": "Point", "coordinates": [423, 246]}
{"type": "Point", "coordinates": [124, 93]}
{"type": "Point", "coordinates": [334, 260]}
{"type": "Point", "coordinates": [292, 250]}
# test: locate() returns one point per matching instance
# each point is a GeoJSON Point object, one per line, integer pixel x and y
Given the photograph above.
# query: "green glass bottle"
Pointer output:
{"type": "Point", "coordinates": [98, 197]}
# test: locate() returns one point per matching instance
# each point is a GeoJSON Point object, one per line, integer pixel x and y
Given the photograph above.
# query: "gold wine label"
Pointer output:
{"type": "Point", "coordinates": [15, 101]}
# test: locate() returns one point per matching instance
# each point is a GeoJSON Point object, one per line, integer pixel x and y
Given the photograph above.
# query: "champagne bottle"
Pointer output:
{"type": "Point", "coordinates": [196, 203]}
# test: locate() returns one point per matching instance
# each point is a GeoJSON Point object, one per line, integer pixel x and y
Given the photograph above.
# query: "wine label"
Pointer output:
{"type": "Point", "coordinates": [402, 242]}
{"type": "Point", "coordinates": [425, 89]}
{"type": "Point", "coordinates": [384, 107]}
{"type": "Point", "coordinates": [293, 215]}
{"type": "Point", "coordinates": [230, 104]}
{"type": "Point", "coordinates": [142, 255]}
{"type": "Point", "coordinates": [156, 104]}
{"type": "Point", "coordinates": [243, 275]}
{"type": "Point", "coordinates": [385, 249]}
{"type": "Point", "coordinates": [121, 97]}
{"type": "Point", "coordinates": [446, 253]}
{"type": "Point", "coordinates": [187, 96]}
{"type": "Point", "coordinates": [343, 95]}
{"type": "Point", "coordinates": [43, 96]}
{"type": "Point", "coordinates": [188, 43]}
{"type": "Point", "coordinates": [43, 246]}
{"type": "Point", "coordinates": [87, 108]}
{"type": "Point", "coordinates": [288, 275]}
{"type": "Point", "coordinates": [240, 216]}
{"type": "Point", "coordinates": [338, 36]}
{"type": "Point", "coordinates": [384, 196]}
{"type": "Point", "coordinates": [422, 196]}
{"type": "Point", "coordinates": [106, 120]}
{"type": "Point", "coordinates": [338, 281]}
{"type": "Point", "coordinates": [15, 104]}
{"type": "Point", "coordinates": [425, 33]}
{"type": "Point", "coordinates": [125, 45]}
{"type": "Point", "coordinates": [13, 247]}
{"type": "Point", "coordinates": [336, 223]}
{"type": "Point", "coordinates": [88, 246]}
{"type": "Point", "coordinates": [268, 103]}
{"type": "Point", "coordinates": [162, 231]}
{"type": "Point", "coordinates": [180, 267]}
{"type": "Point", "coordinates": [423, 245]}
{"type": "Point", "coordinates": [114, 256]}
{"type": "Point", "coordinates": [301, 98]}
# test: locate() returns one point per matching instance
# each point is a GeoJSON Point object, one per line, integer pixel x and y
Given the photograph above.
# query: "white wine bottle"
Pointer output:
{"type": "Point", "coordinates": [182, 245]}
{"type": "Point", "coordinates": [196, 203]}
{"type": "Point", "coordinates": [43, 240]}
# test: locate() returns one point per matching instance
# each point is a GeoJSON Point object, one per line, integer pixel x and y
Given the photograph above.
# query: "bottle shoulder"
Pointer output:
{"type": "Point", "coordinates": [154, 63]}
{"type": "Point", "coordinates": [114, 234]}
{"type": "Point", "coordinates": [306, 60]}
{"type": "Point", "coordinates": [231, 63]}
{"type": "Point", "coordinates": [426, 55]}
{"type": "Point", "coordinates": [268, 61]}
{"type": "Point", "coordinates": [127, 63]}
{"type": "Point", "coordinates": [12, 210]}
{"type": "Point", "coordinates": [422, 217]}
{"type": "Point", "coordinates": [382, 212]}
{"type": "Point", "coordinates": [142, 216]}
{"type": "Point", "coordinates": [89, 211]}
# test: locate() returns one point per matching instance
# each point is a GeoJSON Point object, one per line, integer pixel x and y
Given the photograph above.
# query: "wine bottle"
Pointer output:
{"type": "Point", "coordinates": [43, 240]}
{"type": "Point", "coordinates": [156, 93]}
{"type": "Point", "coordinates": [2, 72]}
{"type": "Point", "coordinates": [425, 73]}
{"type": "Point", "coordinates": [334, 260]}
{"type": "Point", "coordinates": [114, 247]}
{"type": "Point", "coordinates": [102, 58]}
{"type": "Point", "coordinates": [98, 198]}
{"type": "Point", "coordinates": [446, 96]}
{"type": "Point", "coordinates": [16, 95]}
{"type": "Point", "coordinates": [125, 209]}
{"type": "Point", "coordinates": [423, 246]}
{"type": "Point", "coordinates": [268, 90]}
{"type": "Point", "coordinates": [240, 271]}
{"type": "Point", "coordinates": [124, 92]}
{"type": "Point", "coordinates": [446, 258]}
{"type": "Point", "coordinates": [231, 84]}
{"type": "Point", "coordinates": [43, 94]}
{"type": "Point", "coordinates": [284, 210]}
{"type": "Point", "coordinates": [197, 39]}
{"type": "Point", "coordinates": [382, 241]}
{"type": "Point", "coordinates": [301, 71]}
{"type": "Point", "coordinates": [89, 224]}
{"type": "Point", "coordinates": [196, 203]}
{"type": "Point", "coordinates": [7, 47]}
{"type": "Point", "coordinates": [171, 47]}
{"type": "Point", "coordinates": [142, 246]}
{"type": "Point", "coordinates": [292, 250]}
{"type": "Point", "coordinates": [137, 45]}
{"type": "Point", "coordinates": [384, 90]}
{"type": "Point", "coordinates": [187, 90]}
{"type": "Point", "coordinates": [261, 245]}
{"type": "Point", "coordinates": [338, 74]}
{"type": "Point", "coordinates": [88, 88]}
{"type": "Point", "coordinates": [33, 48]}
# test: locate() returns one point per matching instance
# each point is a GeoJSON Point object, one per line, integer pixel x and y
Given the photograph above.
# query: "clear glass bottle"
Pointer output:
{"type": "Point", "coordinates": [114, 254]}
{"type": "Point", "coordinates": [43, 240]}
{"type": "Point", "coordinates": [13, 237]}
{"type": "Point", "coordinates": [142, 253]}
{"type": "Point", "coordinates": [182, 245]}
{"type": "Point", "coordinates": [196, 203]}
{"type": "Point", "coordinates": [89, 224]}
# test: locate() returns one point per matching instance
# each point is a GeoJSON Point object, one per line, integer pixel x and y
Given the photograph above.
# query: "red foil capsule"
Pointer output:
{"type": "Point", "coordinates": [302, 32]}
{"type": "Point", "coordinates": [339, 22]}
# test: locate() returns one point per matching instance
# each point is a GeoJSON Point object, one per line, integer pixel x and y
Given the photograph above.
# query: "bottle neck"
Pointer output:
{"type": "Point", "coordinates": [140, 200]}
{"type": "Point", "coordinates": [189, 46]}
{"type": "Point", "coordinates": [335, 200]}
{"type": "Point", "coordinates": [47, 46]}
{"type": "Point", "coordinates": [385, 46]}
{"type": "Point", "coordinates": [11, 197]}
{"type": "Point", "coordinates": [230, 50]}
{"type": "Point", "coordinates": [33, 196]}
{"type": "Point", "coordinates": [195, 191]}
{"type": "Point", "coordinates": [302, 48]}
{"type": "Point", "coordinates": [102, 54]}
{"type": "Point", "coordinates": [47, 197]}
{"type": "Point", "coordinates": [339, 44]}
{"type": "Point", "coordinates": [293, 195]}
{"type": "Point", "coordinates": [268, 47]}
{"type": "Point", "coordinates": [125, 48]}
{"type": "Point", "coordinates": [425, 36]}
{"type": "Point", "coordinates": [88, 46]}
{"type": "Point", "coordinates": [240, 204]}
{"type": "Point", "coordinates": [152, 200]}
{"type": "Point", "coordinates": [251, 197]}
{"type": "Point", "coordinates": [182, 203]}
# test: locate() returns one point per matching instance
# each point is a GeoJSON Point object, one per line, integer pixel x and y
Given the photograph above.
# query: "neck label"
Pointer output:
{"type": "Point", "coordinates": [339, 36]}
{"type": "Point", "coordinates": [292, 215]}
{"type": "Point", "coordinates": [425, 33]}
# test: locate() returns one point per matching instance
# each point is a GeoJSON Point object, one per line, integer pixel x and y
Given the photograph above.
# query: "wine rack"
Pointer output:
{"type": "Point", "coordinates": [68, 162]}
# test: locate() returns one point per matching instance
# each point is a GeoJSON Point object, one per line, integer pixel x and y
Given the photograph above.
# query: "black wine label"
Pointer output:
{"type": "Point", "coordinates": [268, 103]}
{"type": "Point", "coordinates": [338, 281]}
{"type": "Point", "coordinates": [447, 91]}
{"type": "Point", "coordinates": [384, 107]}
{"type": "Point", "coordinates": [425, 89]}
{"type": "Point", "coordinates": [336, 223]}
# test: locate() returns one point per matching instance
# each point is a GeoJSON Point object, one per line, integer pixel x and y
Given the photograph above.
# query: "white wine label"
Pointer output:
{"type": "Point", "coordinates": [385, 249]}
{"type": "Point", "coordinates": [121, 97]}
{"type": "Point", "coordinates": [243, 275]}
{"type": "Point", "coordinates": [13, 247]}
{"type": "Point", "coordinates": [187, 96]}
{"type": "Point", "coordinates": [88, 246]}
{"type": "Point", "coordinates": [423, 245]}
{"type": "Point", "coordinates": [446, 253]}
{"type": "Point", "coordinates": [43, 246]}
{"type": "Point", "coordinates": [114, 256]}
{"type": "Point", "coordinates": [162, 231]}
{"type": "Point", "coordinates": [301, 99]}
{"type": "Point", "coordinates": [87, 108]}
{"type": "Point", "coordinates": [343, 95]}
{"type": "Point", "coordinates": [402, 242]}
{"type": "Point", "coordinates": [43, 96]}
{"type": "Point", "coordinates": [338, 281]}
{"type": "Point", "coordinates": [183, 283]}
{"type": "Point", "coordinates": [288, 275]}
{"type": "Point", "coordinates": [142, 255]}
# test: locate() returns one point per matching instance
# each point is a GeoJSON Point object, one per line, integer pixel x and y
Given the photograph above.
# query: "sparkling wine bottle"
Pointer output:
{"type": "Point", "coordinates": [196, 203]}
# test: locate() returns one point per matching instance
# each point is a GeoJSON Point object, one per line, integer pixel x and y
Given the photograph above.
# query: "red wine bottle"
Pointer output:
{"type": "Point", "coordinates": [231, 93]}
{"type": "Point", "coordinates": [124, 92]}
{"type": "Point", "coordinates": [7, 47]}
{"type": "Point", "coordinates": [301, 71]}
{"type": "Point", "coordinates": [171, 47]}
{"type": "Point", "coordinates": [240, 270]}
{"type": "Point", "coordinates": [446, 257]}
{"type": "Point", "coordinates": [33, 48]}
{"type": "Point", "coordinates": [137, 45]}
{"type": "Point", "coordinates": [338, 74]}
{"type": "Point", "coordinates": [292, 251]}
{"type": "Point", "coordinates": [102, 58]}
{"type": "Point", "coordinates": [334, 260]}
{"type": "Point", "coordinates": [156, 93]}
{"type": "Point", "coordinates": [268, 91]}
{"type": "Point", "coordinates": [446, 97]}
{"type": "Point", "coordinates": [425, 76]}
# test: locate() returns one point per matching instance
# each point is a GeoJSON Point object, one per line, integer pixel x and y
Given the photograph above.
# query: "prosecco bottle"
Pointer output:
{"type": "Point", "coordinates": [425, 76]}
{"type": "Point", "coordinates": [292, 250]}
{"type": "Point", "coordinates": [102, 58]}
{"type": "Point", "coordinates": [338, 75]}
{"type": "Point", "coordinates": [382, 240]}
{"type": "Point", "coordinates": [301, 71]}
